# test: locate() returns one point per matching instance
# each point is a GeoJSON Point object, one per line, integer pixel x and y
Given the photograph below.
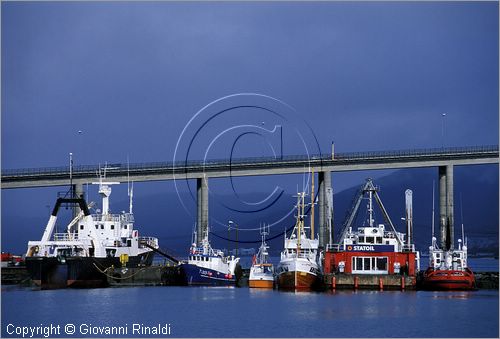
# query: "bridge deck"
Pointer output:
{"type": "Point", "coordinates": [53, 176]}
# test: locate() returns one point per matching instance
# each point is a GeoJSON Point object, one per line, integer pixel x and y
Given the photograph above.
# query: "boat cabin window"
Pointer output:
{"type": "Point", "coordinates": [81, 227]}
{"type": "Point", "coordinates": [366, 264]}
{"type": "Point", "coordinates": [102, 226]}
{"type": "Point", "coordinates": [387, 242]}
{"type": "Point", "coordinates": [129, 243]}
{"type": "Point", "coordinates": [96, 227]}
{"type": "Point", "coordinates": [378, 240]}
{"type": "Point", "coordinates": [370, 240]}
{"type": "Point", "coordinates": [359, 263]}
{"type": "Point", "coordinates": [112, 227]}
{"type": "Point", "coordinates": [370, 265]}
{"type": "Point", "coordinates": [125, 226]}
{"type": "Point", "coordinates": [361, 239]}
{"type": "Point", "coordinates": [382, 264]}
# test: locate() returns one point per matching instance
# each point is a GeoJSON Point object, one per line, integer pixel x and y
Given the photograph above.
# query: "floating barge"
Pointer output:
{"type": "Point", "coordinates": [362, 281]}
{"type": "Point", "coordinates": [372, 257]}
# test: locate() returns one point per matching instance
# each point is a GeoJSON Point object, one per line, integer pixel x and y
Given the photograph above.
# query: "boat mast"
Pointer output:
{"type": "Point", "coordinates": [433, 184]}
{"type": "Point", "coordinates": [104, 190]}
{"type": "Point", "coordinates": [263, 232]}
{"type": "Point", "coordinates": [299, 220]}
{"type": "Point", "coordinates": [370, 208]}
{"type": "Point", "coordinates": [409, 217]}
{"type": "Point", "coordinates": [130, 188]}
{"type": "Point", "coordinates": [462, 218]}
{"type": "Point", "coordinates": [312, 203]}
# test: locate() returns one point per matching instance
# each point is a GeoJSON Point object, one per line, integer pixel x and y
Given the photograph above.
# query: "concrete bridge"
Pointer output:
{"type": "Point", "coordinates": [443, 158]}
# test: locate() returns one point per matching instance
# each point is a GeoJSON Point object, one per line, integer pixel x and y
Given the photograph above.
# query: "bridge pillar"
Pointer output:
{"type": "Point", "coordinates": [446, 206]}
{"type": "Point", "coordinates": [442, 206]}
{"type": "Point", "coordinates": [450, 206]}
{"type": "Point", "coordinates": [325, 208]}
{"type": "Point", "coordinates": [202, 208]}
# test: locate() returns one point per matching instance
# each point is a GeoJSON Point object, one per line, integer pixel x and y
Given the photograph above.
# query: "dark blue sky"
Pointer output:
{"type": "Point", "coordinates": [130, 75]}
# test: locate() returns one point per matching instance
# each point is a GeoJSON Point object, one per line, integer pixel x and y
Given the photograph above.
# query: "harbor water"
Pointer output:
{"type": "Point", "coordinates": [244, 312]}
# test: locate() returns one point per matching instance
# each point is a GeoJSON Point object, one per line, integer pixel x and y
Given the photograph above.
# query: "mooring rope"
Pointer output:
{"type": "Point", "coordinates": [117, 278]}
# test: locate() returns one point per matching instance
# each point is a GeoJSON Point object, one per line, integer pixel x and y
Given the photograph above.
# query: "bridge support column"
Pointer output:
{"type": "Point", "coordinates": [450, 206]}
{"type": "Point", "coordinates": [442, 206]}
{"type": "Point", "coordinates": [325, 208]}
{"type": "Point", "coordinates": [202, 208]}
{"type": "Point", "coordinates": [446, 219]}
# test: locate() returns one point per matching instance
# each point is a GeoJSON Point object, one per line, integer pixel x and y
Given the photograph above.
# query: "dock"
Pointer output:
{"type": "Point", "coordinates": [14, 275]}
{"type": "Point", "coordinates": [165, 275]}
{"type": "Point", "coordinates": [486, 280]}
{"type": "Point", "coordinates": [369, 281]}
{"type": "Point", "coordinates": [161, 275]}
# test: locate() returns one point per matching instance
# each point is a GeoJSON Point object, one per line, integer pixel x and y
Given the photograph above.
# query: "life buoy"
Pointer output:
{"type": "Point", "coordinates": [36, 249]}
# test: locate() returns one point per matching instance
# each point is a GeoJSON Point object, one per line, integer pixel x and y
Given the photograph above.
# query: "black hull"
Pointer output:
{"type": "Point", "coordinates": [88, 272]}
{"type": "Point", "coordinates": [47, 272]}
{"type": "Point", "coordinates": [78, 272]}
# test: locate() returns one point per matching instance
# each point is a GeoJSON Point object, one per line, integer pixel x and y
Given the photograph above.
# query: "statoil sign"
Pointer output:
{"type": "Point", "coordinates": [369, 248]}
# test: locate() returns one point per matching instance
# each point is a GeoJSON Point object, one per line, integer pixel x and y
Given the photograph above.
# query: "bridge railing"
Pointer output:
{"type": "Point", "coordinates": [80, 170]}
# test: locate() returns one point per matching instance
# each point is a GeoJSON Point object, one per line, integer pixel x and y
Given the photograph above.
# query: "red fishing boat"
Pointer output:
{"type": "Point", "coordinates": [448, 269]}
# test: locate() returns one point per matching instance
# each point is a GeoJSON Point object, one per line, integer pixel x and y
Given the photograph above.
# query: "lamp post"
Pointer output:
{"type": "Point", "coordinates": [442, 128]}
{"type": "Point", "coordinates": [80, 145]}
{"type": "Point", "coordinates": [71, 175]}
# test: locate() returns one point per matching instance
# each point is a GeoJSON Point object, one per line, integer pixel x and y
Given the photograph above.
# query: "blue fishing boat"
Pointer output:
{"type": "Point", "coordinates": [208, 266]}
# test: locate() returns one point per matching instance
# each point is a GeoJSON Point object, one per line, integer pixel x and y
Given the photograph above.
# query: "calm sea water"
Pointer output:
{"type": "Point", "coordinates": [244, 312]}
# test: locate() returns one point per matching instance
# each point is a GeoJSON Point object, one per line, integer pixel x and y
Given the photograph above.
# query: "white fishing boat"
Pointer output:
{"type": "Point", "coordinates": [299, 266]}
{"type": "Point", "coordinates": [91, 244]}
{"type": "Point", "coordinates": [262, 270]}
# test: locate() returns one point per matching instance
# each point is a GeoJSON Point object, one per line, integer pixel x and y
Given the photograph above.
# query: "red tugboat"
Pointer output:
{"type": "Point", "coordinates": [373, 256]}
{"type": "Point", "coordinates": [448, 269]}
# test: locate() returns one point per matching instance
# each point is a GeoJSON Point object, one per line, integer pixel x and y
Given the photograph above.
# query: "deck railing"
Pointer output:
{"type": "Point", "coordinates": [151, 241]}
{"type": "Point", "coordinates": [346, 157]}
{"type": "Point", "coordinates": [65, 236]}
